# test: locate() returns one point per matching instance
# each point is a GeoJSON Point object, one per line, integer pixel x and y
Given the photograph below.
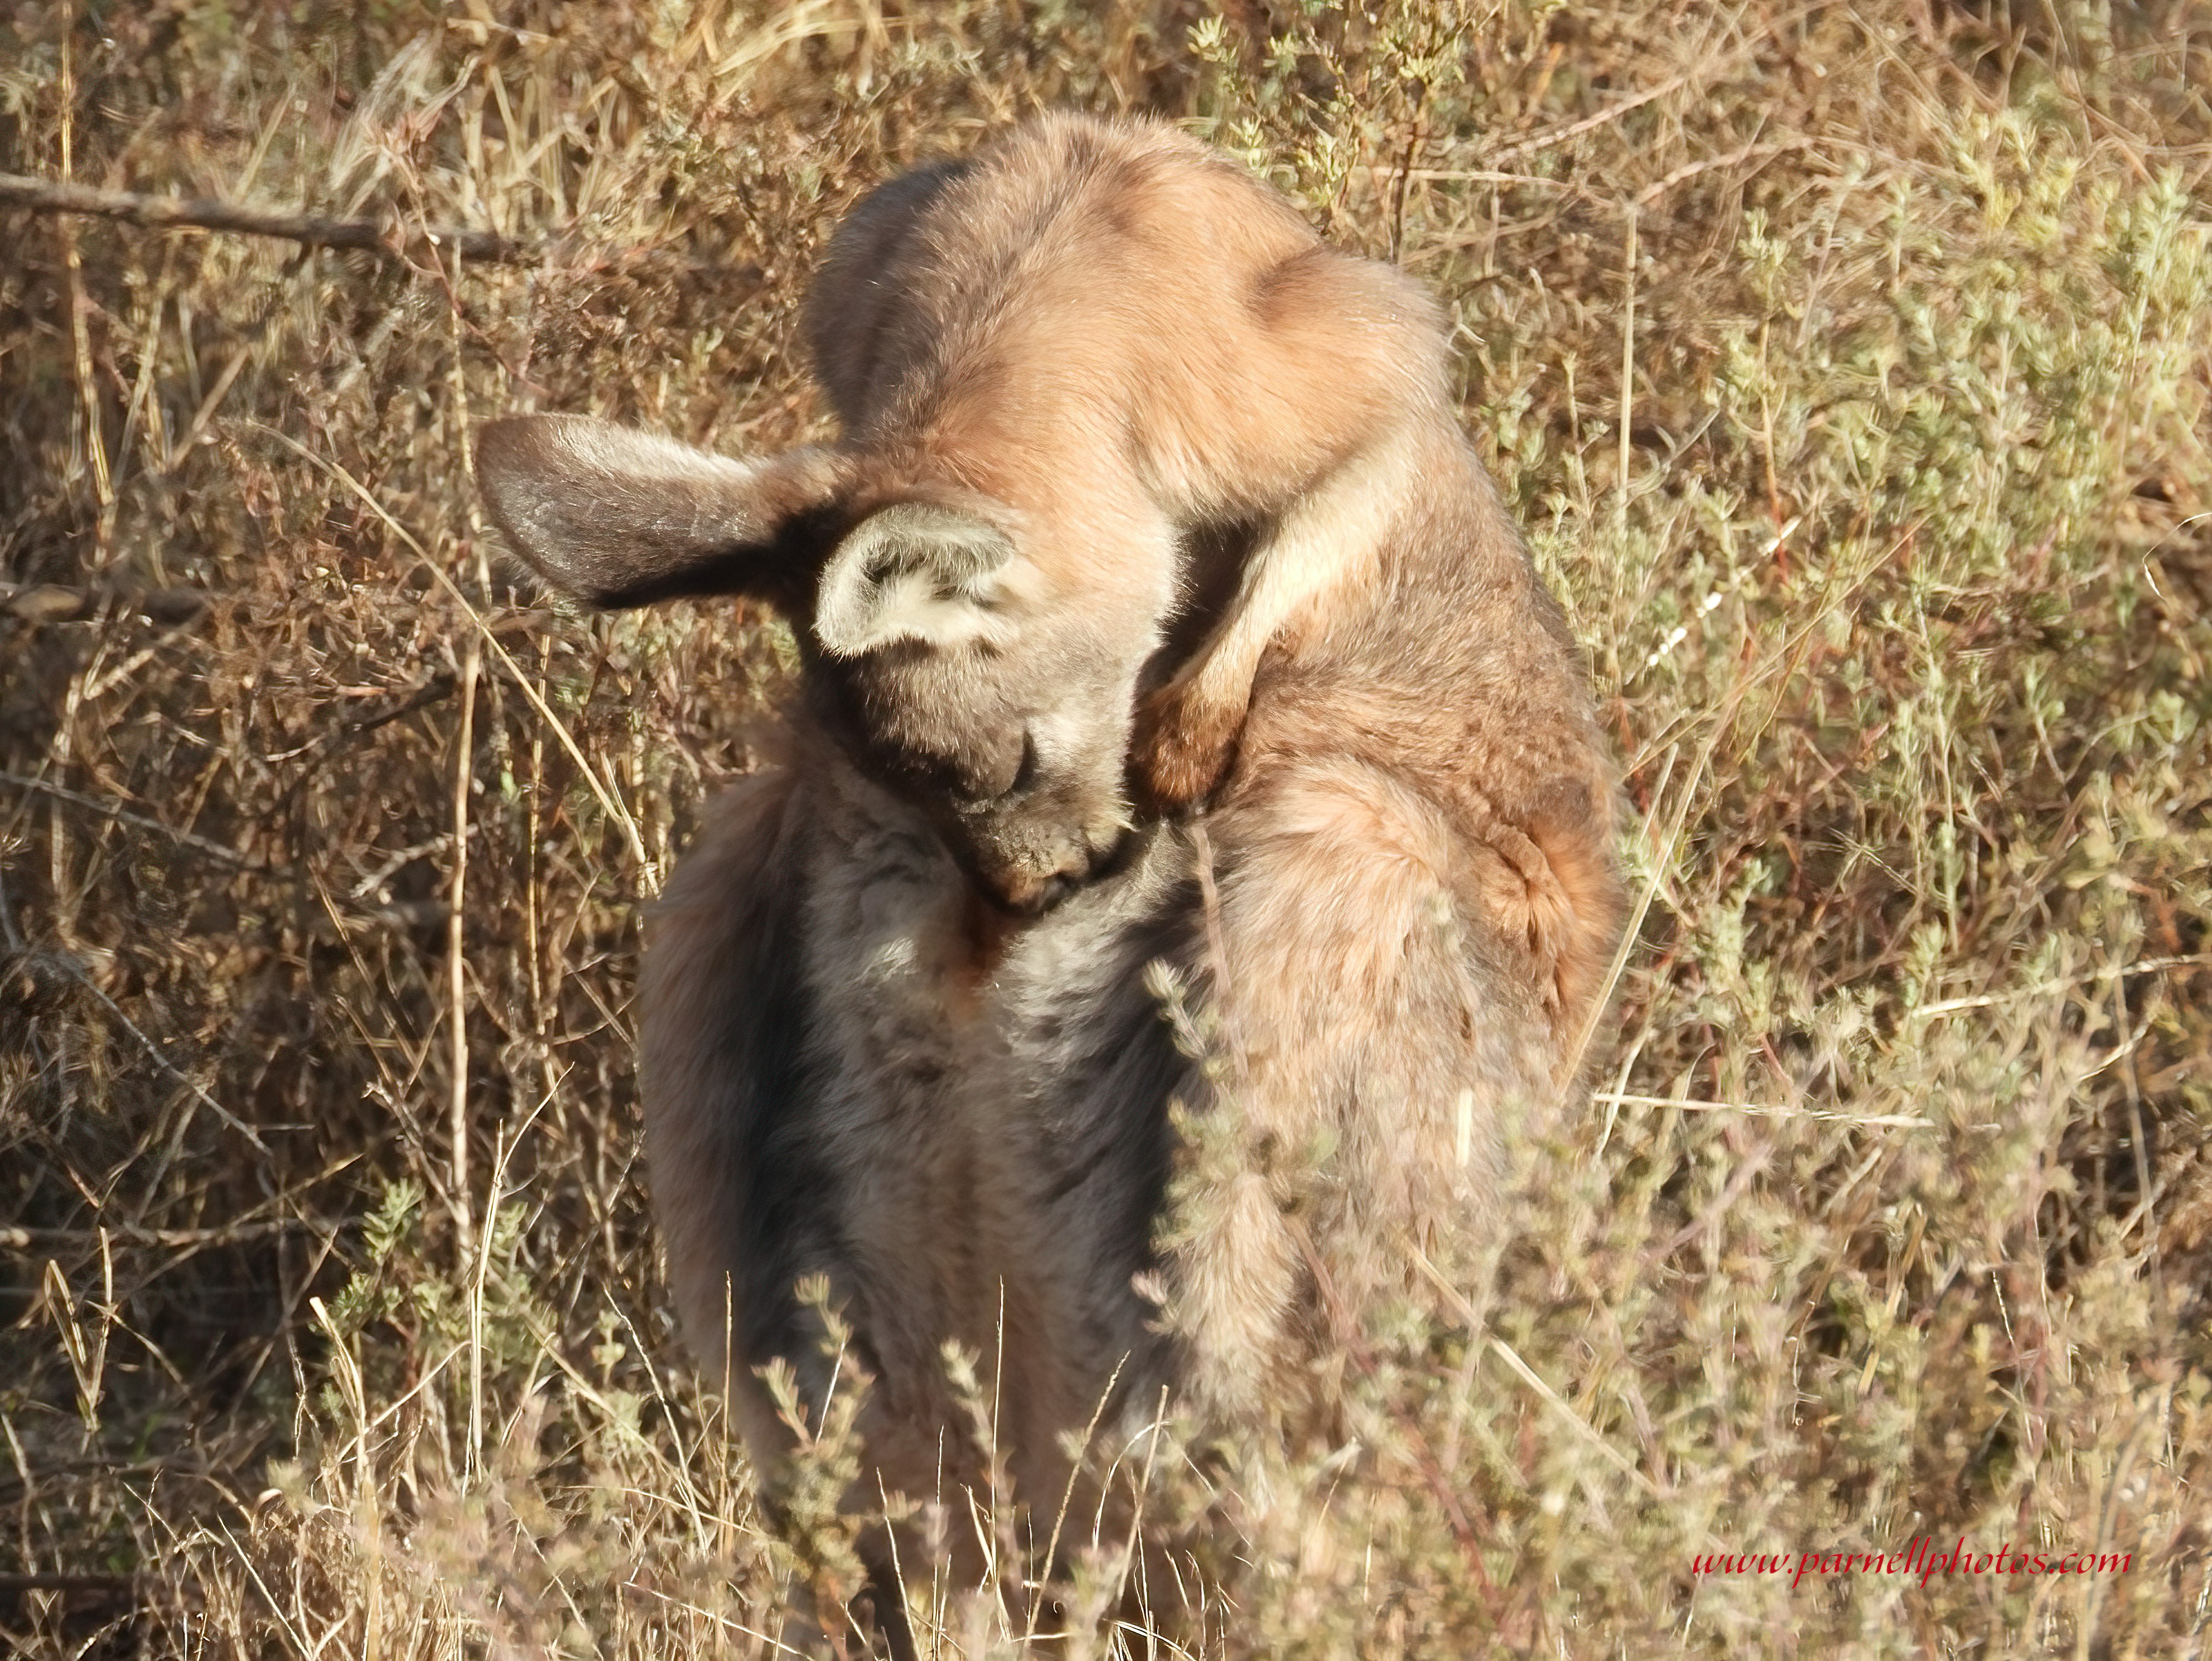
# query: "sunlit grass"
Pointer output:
{"type": "Point", "coordinates": [1848, 367]}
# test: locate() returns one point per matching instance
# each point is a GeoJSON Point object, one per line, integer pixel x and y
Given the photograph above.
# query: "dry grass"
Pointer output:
{"type": "Point", "coordinates": [1849, 364]}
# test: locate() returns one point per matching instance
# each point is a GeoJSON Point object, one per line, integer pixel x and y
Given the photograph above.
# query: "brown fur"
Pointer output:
{"type": "Point", "coordinates": [1146, 502]}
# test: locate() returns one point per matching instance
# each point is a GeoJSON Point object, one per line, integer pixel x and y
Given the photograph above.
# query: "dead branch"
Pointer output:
{"type": "Point", "coordinates": [19, 1584]}
{"type": "Point", "coordinates": [382, 237]}
{"type": "Point", "coordinates": [385, 237]}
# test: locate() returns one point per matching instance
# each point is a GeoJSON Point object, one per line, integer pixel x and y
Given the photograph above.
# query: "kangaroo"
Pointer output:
{"type": "Point", "coordinates": [1160, 632]}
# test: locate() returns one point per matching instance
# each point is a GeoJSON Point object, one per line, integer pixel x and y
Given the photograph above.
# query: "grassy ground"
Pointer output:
{"type": "Point", "coordinates": [1849, 368]}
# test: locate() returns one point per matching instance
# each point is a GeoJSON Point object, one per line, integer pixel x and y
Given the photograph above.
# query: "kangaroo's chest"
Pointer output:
{"type": "Point", "coordinates": [991, 1092]}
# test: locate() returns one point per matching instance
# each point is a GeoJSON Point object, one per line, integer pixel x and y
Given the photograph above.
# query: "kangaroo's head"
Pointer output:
{"type": "Point", "coordinates": [929, 646]}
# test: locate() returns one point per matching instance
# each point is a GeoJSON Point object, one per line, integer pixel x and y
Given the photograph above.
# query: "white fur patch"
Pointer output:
{"type": "Point", "coordinates": [908, 605]}
{"type": "Point", "coordinates": [913, 571]}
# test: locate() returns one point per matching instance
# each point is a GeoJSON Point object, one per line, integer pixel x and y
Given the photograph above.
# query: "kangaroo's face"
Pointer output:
{"type": "Point", "coordinates": [953, 682]}
{"type": "Point", "coordinates": [930, 650]}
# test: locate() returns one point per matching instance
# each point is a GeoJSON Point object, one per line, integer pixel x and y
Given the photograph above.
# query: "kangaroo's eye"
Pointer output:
{"type": "Point", "coordinates": [1025, 775]}
{"type": "Point", "coordinates": [993, 768]}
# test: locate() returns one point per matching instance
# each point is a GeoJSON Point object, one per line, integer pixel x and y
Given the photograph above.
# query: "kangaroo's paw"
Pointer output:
{"type": "Point", "coordinates": [1183, 747]}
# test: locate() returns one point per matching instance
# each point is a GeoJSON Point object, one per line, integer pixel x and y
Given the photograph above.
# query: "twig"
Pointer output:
{"type": "Point", "coordinates": [1628, 367]}
{"type": "Point", "coordinates": [123, 815]}
{"type": "Point", "coordinates": [385, 237]}
{"type": "Point", "coordinates": [103, 483]}
{"type": "Point", "coordinates": [1583, 1428]}
{"type": "Point", "coordinates": [607, 800]}
{"type": "Point", "coordinates": [1553, 137]}
{"type": "Point", "coordinates": [377, 236]}
{"type": "Point", "coordinates": [697, 1612]}
{"type": "Point", "coordinates": [1424, 1461]}
{"type": "Point", "coordinates": [1659, 187]}
{"type": "Point", "coordinates": [456, 941]}
{"type": "Point", "coordinates": [161, 1060]}
{"type": "Point", "coordinates": [23, 1239]}
{"type": "Point", "coordinates": [1892, 1121]}
{"type": "Point", "coordinates": [112, 1584]}
{"type": "Point", "coordinates": [1711, 69]}
{"type": "Point", "coordinates": [1558, 1404]}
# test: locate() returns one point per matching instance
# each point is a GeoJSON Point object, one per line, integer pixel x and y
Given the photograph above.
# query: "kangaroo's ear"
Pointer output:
{"type": "Point", "coordinates": [915, 570]}
{"type": "Point", "coordinates": [621, 518]}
